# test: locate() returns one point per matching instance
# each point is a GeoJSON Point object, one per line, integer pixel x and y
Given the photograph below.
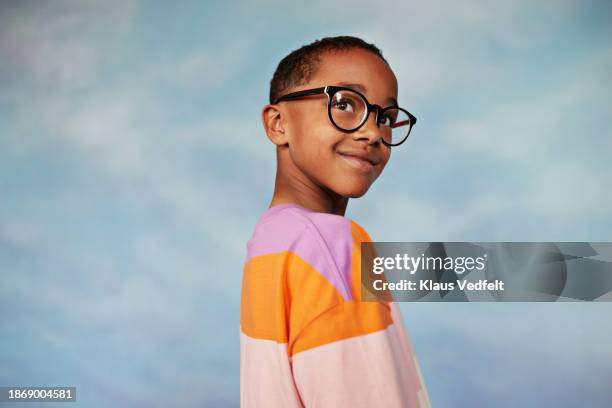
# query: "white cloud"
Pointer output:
{"type": "Point", "coordinates": [59, 42]}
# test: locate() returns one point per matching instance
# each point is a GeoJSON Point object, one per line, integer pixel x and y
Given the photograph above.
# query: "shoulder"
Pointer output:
{"type": "Point", "coordinates": [326, 242]}
{"type": "Point", "coordinates": [284, 227]}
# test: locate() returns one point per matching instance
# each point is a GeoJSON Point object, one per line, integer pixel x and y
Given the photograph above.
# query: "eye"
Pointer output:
{"type": "Point", "coordinates": [388, 119]}
{"type": "Point", "coordinates": [343, 104]}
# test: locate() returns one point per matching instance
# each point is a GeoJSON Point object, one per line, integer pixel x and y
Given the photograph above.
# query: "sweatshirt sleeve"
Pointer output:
{"type": "Point", "coordinates": [354, 353]}
{"type": "Point", "coordinates": [367, 362]}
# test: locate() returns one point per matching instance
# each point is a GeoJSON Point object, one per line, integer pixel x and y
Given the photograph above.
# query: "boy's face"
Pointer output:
{"type": "Point", "coordinates": [345, 163]}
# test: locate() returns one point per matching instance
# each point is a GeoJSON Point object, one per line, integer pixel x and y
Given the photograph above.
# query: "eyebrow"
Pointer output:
{"type": "Point", "coordinates": [362, 89]}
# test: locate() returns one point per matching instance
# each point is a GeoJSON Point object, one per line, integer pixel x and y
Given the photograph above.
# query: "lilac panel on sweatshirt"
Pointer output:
{"type": "Point", "coordinates": [323, 240]}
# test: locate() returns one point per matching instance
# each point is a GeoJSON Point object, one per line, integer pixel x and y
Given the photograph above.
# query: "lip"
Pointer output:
{"type": "Point", "coordinates": [360, 160]}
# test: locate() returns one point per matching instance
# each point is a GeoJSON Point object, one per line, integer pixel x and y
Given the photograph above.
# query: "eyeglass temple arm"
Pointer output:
{"type": "Point", "coordinates": [299, 94]}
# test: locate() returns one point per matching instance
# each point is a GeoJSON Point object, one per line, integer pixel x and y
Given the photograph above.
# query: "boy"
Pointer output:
{"type": "Point", "coordinates": [307, 339]}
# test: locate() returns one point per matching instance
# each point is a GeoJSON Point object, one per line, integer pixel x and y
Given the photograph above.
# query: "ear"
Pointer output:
{"type": "Point", "coordinates": [272, 117]}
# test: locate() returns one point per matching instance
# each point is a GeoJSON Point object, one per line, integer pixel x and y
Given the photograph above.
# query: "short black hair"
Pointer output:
{"type": "Point", "coordinates": [300, 65]}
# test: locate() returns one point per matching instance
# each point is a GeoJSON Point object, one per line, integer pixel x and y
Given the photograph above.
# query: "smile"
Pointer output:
{"type": "Point", "coordinates": [359, 163]}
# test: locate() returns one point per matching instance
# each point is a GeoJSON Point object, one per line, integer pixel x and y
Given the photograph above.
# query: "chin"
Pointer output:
{"type": "Point", "coordinates": [354, 191]}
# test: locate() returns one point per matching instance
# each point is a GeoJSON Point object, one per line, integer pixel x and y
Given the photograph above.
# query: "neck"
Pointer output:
{"type": "Point", "coordinates": [293, 187]}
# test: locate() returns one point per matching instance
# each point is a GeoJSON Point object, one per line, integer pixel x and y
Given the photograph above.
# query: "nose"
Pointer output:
{"type": "Point", "coordinates": [370, 131]}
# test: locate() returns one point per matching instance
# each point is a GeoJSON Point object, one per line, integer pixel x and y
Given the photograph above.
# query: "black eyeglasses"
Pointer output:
{"type": "Point", "coordinates": [348, 110]}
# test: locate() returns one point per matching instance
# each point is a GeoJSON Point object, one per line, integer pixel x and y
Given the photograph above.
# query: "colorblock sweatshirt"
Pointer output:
{"type": "Point", "coordinates": [306, 338]}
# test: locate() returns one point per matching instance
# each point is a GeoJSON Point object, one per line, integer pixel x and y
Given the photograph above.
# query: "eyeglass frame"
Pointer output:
{"type": "Point", "coordinates": [330, 91]}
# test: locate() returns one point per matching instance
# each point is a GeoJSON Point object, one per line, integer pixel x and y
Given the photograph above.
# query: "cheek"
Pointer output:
{"type": "Point", "coordinates": [312, 147]}
{"type": "Point", "coordinates": [385, 156]}
{"type": "Point", "coordinates": [320, 141]}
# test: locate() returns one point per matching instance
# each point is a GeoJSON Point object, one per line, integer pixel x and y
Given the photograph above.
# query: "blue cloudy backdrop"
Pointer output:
{"type": "Point", "coordinates": [133, 168]}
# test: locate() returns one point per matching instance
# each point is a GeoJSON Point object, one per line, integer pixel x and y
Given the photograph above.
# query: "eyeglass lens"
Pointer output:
{"type": "Point", "coordinates": [348, 111]}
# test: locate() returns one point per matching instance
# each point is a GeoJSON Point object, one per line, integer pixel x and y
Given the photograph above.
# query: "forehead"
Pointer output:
{"type": "Point", "coordinates": [359, 67]}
